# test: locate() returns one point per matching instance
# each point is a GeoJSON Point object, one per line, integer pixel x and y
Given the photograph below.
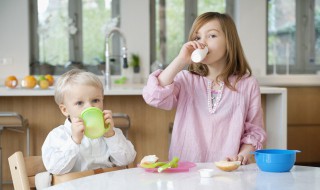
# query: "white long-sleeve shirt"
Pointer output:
{"type": "Point", "coordinates": [62, 155]}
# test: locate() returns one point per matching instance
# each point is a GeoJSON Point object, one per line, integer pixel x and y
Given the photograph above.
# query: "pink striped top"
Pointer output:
{"type": "Point", "coordinates": [203, 132]}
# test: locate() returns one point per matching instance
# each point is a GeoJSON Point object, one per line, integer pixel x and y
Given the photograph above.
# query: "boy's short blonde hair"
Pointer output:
{"type": "Point", "coordinates": [75, 76]}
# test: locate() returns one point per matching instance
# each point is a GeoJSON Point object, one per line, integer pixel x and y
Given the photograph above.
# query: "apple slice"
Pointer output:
{"type": "Point", "coordinates": [150, 159]}
{"type": "Point", "coordinates": [228, 165]}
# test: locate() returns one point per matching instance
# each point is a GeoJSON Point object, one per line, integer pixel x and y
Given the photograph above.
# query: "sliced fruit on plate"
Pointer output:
{"type": "Point", "coordinates": [228, 165]}
{"type": "Point", "coordinates": [154, 165]}
{"type": "Point", "coordinates": [150, 159]}
{"type": "Point", "coordinates": [172, 164]}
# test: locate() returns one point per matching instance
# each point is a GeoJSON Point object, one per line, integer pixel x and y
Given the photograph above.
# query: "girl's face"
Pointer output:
{"type": "Point", "coordinates": [211, 35]}
{"type": "Point", "coordinates": [80, 97]}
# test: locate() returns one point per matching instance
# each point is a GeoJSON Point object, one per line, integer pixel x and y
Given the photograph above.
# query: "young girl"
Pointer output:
{"type": "Point", "coordinates": [218, 102]}
{"type": "Point", "coordinates": [66, 149]}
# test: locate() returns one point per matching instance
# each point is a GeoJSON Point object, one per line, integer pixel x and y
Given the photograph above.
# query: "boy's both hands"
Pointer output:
{"type": "Point", "coordinates": [77, 127]}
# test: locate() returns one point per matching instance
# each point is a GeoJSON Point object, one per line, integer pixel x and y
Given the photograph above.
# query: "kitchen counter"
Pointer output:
{"type": "Point", "coordinates": [126, 89]}
{"type": "Point", "coordinates": [289, 80]}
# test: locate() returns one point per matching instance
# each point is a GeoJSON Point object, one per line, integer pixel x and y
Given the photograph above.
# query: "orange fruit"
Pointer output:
{"type": "Point", "coordinates": [29, 82]}
{"type": "Point", "coordinates": [44, 84]}
{"type": "Point", "coordinates": [41, 77]}
{"type": "Point", "coordinates": [50, 79]}
{"type": "Point", "coordinates": [11, 82]}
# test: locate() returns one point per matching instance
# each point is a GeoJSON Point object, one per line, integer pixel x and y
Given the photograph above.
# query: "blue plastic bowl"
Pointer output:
{"type": "Point", "coordinates": [275, 160]}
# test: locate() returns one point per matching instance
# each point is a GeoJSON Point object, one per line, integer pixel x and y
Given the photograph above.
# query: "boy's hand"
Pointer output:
{"type": "Point", "coordinates": [77, 130]}
{"type": "Point", "coordinates": [108, 121]}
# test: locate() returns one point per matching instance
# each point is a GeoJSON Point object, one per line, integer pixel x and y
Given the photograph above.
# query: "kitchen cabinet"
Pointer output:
{"type": "Point", "coordinates": [304, 123]}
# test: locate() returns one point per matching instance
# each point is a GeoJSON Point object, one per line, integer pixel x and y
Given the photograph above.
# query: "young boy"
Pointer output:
{"type": "Point", "coordinates": [66, 149]}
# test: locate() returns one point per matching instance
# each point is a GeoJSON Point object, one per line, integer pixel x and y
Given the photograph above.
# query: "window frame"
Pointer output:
{"type": "Point", "coordinates": [190, 14]}
{"type": "Point", "coordinates": [303, 39]}
{"type": "Point", "coordinates": [75, 42]}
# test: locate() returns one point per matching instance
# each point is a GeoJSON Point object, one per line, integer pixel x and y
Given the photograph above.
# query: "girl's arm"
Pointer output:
{"type": "Point", "coordinates": [166, 77]}
{"type": "Point", "coordinates": [254, 134]}
{"type": "Point", "coordinates": [183, 59]}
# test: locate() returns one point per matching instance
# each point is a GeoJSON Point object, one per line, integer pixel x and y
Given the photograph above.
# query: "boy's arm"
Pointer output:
{"type": "Point", "coordinates": [59, 152]}
{"type": "Point", "coordinates": [120, 149]}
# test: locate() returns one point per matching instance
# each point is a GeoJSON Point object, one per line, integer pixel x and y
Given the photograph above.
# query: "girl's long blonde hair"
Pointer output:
{"type": "Point", "coordinates": [236, 63]}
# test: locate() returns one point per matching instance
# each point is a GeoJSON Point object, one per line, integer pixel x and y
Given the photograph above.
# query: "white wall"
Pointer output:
{"type": "Point", "coordinates": [252, 28]}
{"type": "Point", "coordinates": [14, 38]}
{"type": "Point", "coordinates": [135, 24]}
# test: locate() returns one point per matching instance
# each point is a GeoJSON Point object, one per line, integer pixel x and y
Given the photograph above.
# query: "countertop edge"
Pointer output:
{"type": "Point", "coordinates": [289, 80]}
{"type": "Point", "coordinates": [123, 91]}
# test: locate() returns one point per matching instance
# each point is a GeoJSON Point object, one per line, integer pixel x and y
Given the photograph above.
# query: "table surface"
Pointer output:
{"type": "Point", "coordinates": [245, 178]}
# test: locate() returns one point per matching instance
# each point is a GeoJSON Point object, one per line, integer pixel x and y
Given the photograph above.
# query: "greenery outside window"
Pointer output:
{"type": "Point", "coordinates": [171, 22]}
{"type": "Point", "coordinates": [293, 36]}
{"type": "Point", "coordinates": [70, 33]}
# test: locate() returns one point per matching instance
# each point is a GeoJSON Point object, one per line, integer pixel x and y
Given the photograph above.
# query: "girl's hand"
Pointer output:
{"type": "Point", "coordinates": [166, 77]}
{"type": "Point", "coordinates": [108, 121]}
{"type": "Point", "coordinates": [187, 49]}
{"type": "Point", "coordinates": [243, 159]}
{"type": "Point", "coordinates": [77, 130]}
{"type": "Point", "coordinates": [244, 154]}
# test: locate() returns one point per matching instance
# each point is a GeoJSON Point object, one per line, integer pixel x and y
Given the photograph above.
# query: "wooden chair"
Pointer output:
{"type": "Point", "coordinates": [122, 121]}
{"type": "Point", "coordinates": [24, 169]}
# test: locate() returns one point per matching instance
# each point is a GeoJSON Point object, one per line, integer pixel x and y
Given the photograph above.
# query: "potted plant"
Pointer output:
{"type": "Point", "coordinates": [135, 62]}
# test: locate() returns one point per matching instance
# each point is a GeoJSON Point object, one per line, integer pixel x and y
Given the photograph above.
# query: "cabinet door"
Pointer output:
{"type": "Point", "coordinates": [304, 123]}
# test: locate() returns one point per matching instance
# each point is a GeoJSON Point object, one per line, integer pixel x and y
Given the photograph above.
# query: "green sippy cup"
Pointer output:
{"type": "Point", "coordinates": [94, 122]}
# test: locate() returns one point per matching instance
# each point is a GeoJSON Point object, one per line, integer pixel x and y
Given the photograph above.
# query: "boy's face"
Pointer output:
{"type": "Point", "coordinates": [80, 97]}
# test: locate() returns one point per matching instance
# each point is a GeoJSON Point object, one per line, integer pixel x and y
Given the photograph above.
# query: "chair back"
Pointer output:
{"type": "Point", "coordinates": [122, 121]}
{"type": "Point", "coordinates": [24, 169]}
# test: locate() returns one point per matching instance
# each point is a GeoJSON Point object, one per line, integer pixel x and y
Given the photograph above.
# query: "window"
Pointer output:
{"type": "Point", "coordinates": [293, 37]}
{"type": "Point", "coordinates": [172, 21]}
{"type": "Point", "coordinates": [70, 33]}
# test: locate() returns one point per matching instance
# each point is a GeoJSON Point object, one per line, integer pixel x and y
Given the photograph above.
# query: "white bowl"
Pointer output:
{"type": "Point", "coordinates": [206, 172]}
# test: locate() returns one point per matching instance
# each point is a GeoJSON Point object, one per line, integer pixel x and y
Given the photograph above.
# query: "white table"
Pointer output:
{"type": "Point", "coordinates": [245, 178]}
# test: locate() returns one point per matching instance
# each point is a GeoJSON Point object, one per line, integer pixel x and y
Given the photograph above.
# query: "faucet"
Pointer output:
{"type": "Point", "coordinates": [107, 54]}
